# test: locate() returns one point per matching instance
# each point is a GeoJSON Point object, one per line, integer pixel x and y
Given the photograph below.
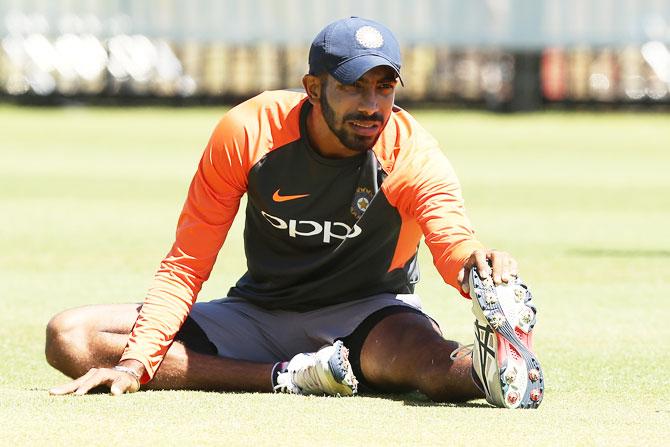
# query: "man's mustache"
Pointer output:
{"type": "Point", "coordinates": [360, 117]}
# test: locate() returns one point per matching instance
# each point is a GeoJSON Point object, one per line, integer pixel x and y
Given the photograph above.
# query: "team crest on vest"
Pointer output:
{"type": "Point", "coordinates": [369, 37]}
{"type": "Point", "coordinates": [361, 201]}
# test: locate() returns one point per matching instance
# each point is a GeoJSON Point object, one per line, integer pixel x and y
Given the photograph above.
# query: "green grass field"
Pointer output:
{"type": "Point", "coordinates": [89, 200]}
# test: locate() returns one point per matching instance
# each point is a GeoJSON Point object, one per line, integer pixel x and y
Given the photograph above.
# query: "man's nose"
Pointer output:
{"type": "Point", "coordinates": [368, 104]}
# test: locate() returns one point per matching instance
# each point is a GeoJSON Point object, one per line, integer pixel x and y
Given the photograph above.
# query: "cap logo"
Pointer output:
{"type": "Point", "coordinates": [369, 37]}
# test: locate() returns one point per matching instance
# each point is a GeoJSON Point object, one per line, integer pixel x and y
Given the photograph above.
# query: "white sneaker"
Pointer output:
{"type": "Point", "coordinates": [324, 372]}
{"type": "Point", "coordinates": [502, 357]}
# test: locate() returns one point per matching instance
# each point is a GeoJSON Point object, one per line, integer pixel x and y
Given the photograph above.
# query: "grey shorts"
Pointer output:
{"type": "Point", "coordinates": [243, 331]}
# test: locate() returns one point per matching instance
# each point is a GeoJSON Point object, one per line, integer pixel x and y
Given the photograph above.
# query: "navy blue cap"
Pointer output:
{"type": "Point", "coordinates": [349, 47]}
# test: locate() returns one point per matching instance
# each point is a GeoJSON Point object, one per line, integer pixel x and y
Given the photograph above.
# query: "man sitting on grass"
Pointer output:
{"type": "Point", "coordinates": [341, 185]}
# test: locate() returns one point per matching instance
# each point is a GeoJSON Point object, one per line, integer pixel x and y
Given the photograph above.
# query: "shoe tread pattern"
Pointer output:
{"type": "Point", "coordinates": [508, 332]}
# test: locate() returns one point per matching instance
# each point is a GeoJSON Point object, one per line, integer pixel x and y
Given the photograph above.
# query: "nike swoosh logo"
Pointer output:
{"type": "Point", "coordinates": [277, 198]}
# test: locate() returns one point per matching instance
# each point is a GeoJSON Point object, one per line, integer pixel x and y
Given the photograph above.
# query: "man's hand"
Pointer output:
{"type": "Point", "coordinates": [119, 382]}
{"type": "Point", "coordinates": [497, 264]}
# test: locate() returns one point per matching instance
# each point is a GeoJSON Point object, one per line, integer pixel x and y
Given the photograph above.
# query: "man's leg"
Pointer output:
{"type": "Point", "coordinates": [95, 336]}
{"type": "Point", "coordinates": [405, 351]}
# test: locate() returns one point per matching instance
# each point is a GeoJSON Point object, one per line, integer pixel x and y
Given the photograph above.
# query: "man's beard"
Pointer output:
{"type": "Point", "coordinates": [349, 139]}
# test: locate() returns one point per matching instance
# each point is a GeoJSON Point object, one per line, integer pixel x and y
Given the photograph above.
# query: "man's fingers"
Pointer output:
{"type": "Point", "coordinates": [123, 384]}
{"type": "Point", "coordinates": [101, 377]}
{"type": "Point", "coordinates": [92, 382]}
{"type": "Point", "coordinates": [497, 264]}
{"type": "Point", "coordinates": [504, 266]}
{"type": "Point", "coordinates": [65, 388]}
{"type": "Point", "coordinates": [505, 273]}
{"type": "Point", "coordinates": [478, 259]}
{"type": "Point", "coordinates": [119, 382]}
{"type": "Point", "coordinates": [117, 389]}
{"type": "Point", "coordinates": [509, 269]}
{"type": "Point", "coordinates": [482, 263]}
{"type": "Point", "coordinates": [464, 274]}
{"type": "Point", "coordinates": [71, 387]}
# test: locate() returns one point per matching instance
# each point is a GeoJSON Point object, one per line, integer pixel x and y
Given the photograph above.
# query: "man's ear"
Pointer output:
{"type": "Point", "coordinates": [312, 86]}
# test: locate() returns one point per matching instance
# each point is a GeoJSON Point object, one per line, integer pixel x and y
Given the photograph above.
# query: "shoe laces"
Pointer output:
{"type": "Point", "coordinates": [312, 377]}
{"type": "Point", "coordinates": [305, 375]}
{"type": "Point", "coordinates": [461, 351]}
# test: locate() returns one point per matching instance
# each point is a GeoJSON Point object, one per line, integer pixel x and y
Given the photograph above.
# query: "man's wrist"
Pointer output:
{"type": "Point", "coordinates": [130, 371]}
{"type": "Point", "coordinates": [135, 366]}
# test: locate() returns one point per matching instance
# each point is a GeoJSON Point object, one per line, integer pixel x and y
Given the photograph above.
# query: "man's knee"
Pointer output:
{"type": "Point", "coordinates": [66, 336]}
{"type": "Point", "coordinates": [395, 347]}
{"type": "Point", "coordinates": [406, 351]}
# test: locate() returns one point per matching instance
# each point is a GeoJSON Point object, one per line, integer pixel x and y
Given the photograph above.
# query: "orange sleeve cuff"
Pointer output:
{"type": "Point", "coordinates": [459, 255]}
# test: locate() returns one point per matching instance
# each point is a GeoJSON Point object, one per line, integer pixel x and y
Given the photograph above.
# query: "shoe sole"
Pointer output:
{"type": "Point", "coordinates": [510, 326]}
{"type": "Point", "coordinates": [341, 369]}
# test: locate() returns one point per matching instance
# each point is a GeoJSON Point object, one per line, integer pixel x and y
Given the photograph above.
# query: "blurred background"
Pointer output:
{"type": "Point", "coordinates": [89, 199]}
{"type": "Point", "coordinates": [498, 54]}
